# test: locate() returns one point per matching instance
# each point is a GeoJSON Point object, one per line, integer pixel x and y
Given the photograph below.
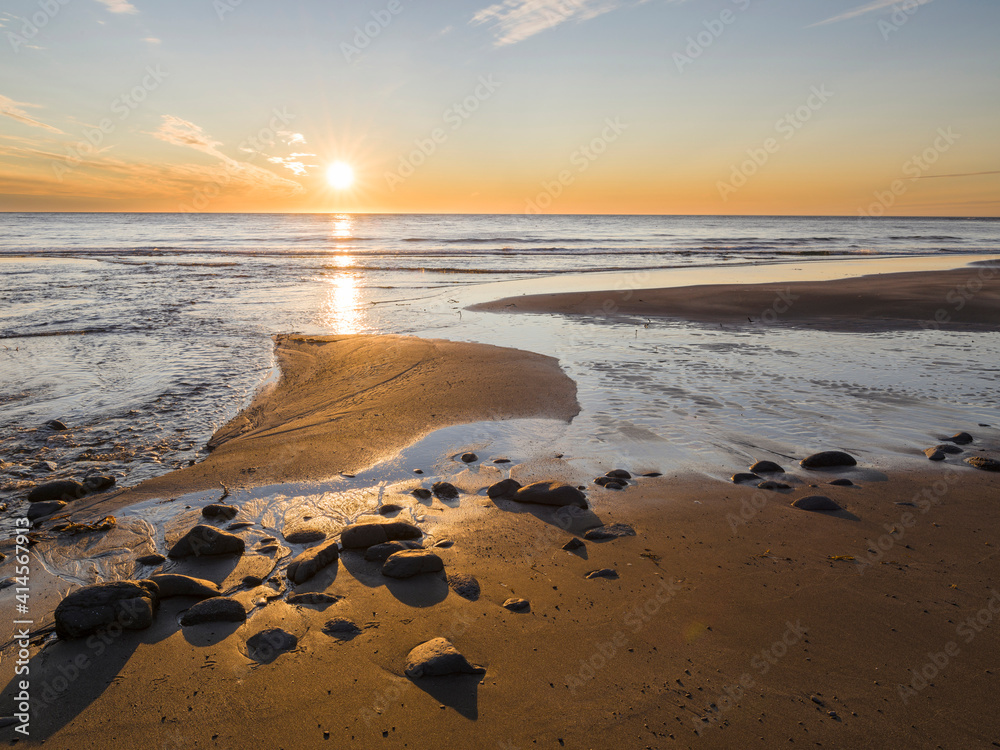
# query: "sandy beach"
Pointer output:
{"type": "Point", "coordinates": [722, 616]}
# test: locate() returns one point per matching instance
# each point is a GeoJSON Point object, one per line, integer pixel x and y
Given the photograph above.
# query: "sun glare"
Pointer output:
{"type": "Point", "coordinates": [340, 175]}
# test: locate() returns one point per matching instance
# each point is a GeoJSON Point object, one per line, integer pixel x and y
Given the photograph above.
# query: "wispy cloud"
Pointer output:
{"type": "Point", "coordinates": [10, 108]}
{"type": "Point", "coordinates": [958, 174]}
{"type": "Point", "coordinates": [119, 6]}
{"type": "Point", "coordinates": [180, 132]}
{"type": "Point", "coordinates": [514, 21]}
{"type": "Point", "coordinates": [861, 10]}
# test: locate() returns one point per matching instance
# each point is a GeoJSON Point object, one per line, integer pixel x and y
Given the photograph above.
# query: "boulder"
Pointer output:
{"type": "Point", "coordinates": [269, 644]}
{"type": "Point", "coordinates": [551, 493]}
{"type": "Point", "coordinates": [438, 658]}
{"type": "Point", "coordinates": [65, 489]}
{"type": "Point", "coordinates": [216, 609]}
{"type": "Point", "coordinates": [766, 467]}
{"type": "Point", "coordinates": [206, 541]}
{"type": "Point", "coordinates": [381, 552]}
{"type": "Point", "coordinates": [503, 488]}
{"type": "Point", "coordinates": [128, 604]}
{"type": "Point", "coordinates": [517, 605]}
{"type": "Point", "coordinates": [220, 511]}
{"type": "Point", "coordinates": [45, 508]}
{"type": "Point", "coordinates": [828, 459]}
{"type": "Point", "coordinates": [173, 584]}
{"type": "Point", "coordinates": [409, 563]}
{"type": "Point", "coordinates": [364, 535]}
{"type": "Point", "coordinates": [312, 561]}
{"type": "Point", "coordinates": [816, 503]}
{"type": "Point", "coordinates": [983, 463]}
{"type": "Point", "coordinates": [609, 532]}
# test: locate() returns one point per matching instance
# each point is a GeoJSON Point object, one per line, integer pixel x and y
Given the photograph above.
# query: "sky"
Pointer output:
{"type": "Point", "coordinates": [799, 107]}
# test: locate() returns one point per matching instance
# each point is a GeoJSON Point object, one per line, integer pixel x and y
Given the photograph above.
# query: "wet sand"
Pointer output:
{"type": "Point", "coordinates": [958, 299]}
{"type": "Point", "coordinates": [730, 624]}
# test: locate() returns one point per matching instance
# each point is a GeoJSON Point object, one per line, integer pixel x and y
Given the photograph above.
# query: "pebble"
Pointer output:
{"type": "Point", "coordinates": [618, 474]}
{"type": "Point", "coordinates": [305, 536]}
{"type": "Point", "coordinates": [468, 458]}
{"type": "Point", "coordinates": [517, 605]}
{"type": "Point", "coordinates": [220, 511]}
{"type": "Point", "coordinates": [842, 482]}
{"type": "Point", "coordinates": [445, 490]}
{"type": "Point", "coordinates": [828, 459]}
{"type": "Point", "coordinates": [816, 503]}
{"type": "Point", "coordinates": [421, 493]}
{"type": "Point", "coordinates": [445, 544]}
{"type": "Point", "coordinates": [388, 508]}
{"type": "Point", "coordinates": [766, 467]}
{"type": "Point", "coordinates": [983, 463]}
{"type": "Point", "coordinates": [743, 476]}
{"type": "Point", "coordinates": [551, 493]}
{"type": "Point", "coordinates": [960, 438]}
{"type": "Point", "coordinates": [465, 586]}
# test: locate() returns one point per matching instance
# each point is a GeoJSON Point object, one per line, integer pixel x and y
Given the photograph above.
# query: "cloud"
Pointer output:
{"type": "Point", "coordinates": [958, 174]}
{"type": "Point", "coordinates": [513, 21]}
{"type": "Point", "coordinates": [152, 40]}
{"type": "Point", "coordinates": [290, 138]}
{"type": "Point", "coordinates": [861, 10]}
{"type": "Point", "coordinates": [180, 132]}
{"type": "Point", "coordinates": [119, 6]}
{"type": "Point", "coordinates": [10, 108]}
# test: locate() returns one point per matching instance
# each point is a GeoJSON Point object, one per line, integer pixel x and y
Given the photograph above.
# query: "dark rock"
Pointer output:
{"type": "Point", "coordinates": [609, 532]}
{"type": "Point", "coordinates": [445, 490]}
{"type": "Point", "coordinates": [269, 644]}
{"type": "Point", "coordinates": [603, 573]}
{"type": "Point", "coordinates": [216, 609]}
{"type": "Point", "coordinates": [382, 552]}
{"type": "Point", "coordinates": [842, 482]}
{"type": "Point", "coordinates": [154, 559]}
{"type": "Point", "coordinates": [614, 486]}
{"type": "Point", "coordinates": [128, 604]}
{"type": "Point", "coordinates": [947, 448]}
{"type": "Point", "coordinates": [828, 459]}
{"type": "Point", "coordinates": [816, 503]}
{"type": "Point", "coordinates": [961, 438]}
{"type": "Point", "coordinates": [342, 628]}
{"type": "Point", "coordinates": [389, 508]}
{"type": "Point", "coordinates": [618, 474]}
{"type": "Point", "coordinates": [445, 544]}
{"type": "Point", "coordinates": [517, 605]}
{"type": "Point", "coordinates": [501, 460]}
{"type": "Point", "coordinates": [468, 458]}
{"type": "Point", "coordinates": [239, 525]}
{"type": "Point", "coordinates": [364, 535]}
{"type": "Point", "coordinates": [465, 586]}
{"type": "Point", "coordinates": [55, 424]}
{"type": "Point", "coordinates": [313, 598]}
{"type": "Point", "coordinates": [305, 536]}
{"type": "Point", "coordinates": [220, 511]}
{"type": "Point", "coordinates": [172, 584]}
{"type": "Point", "coordinates": [503, 488]}
{"type": "Point", "coordinates": [65, 489]}
{"type": "Point", "coordinates": [252, 582]}
{"type": "Point", "coordinates": [98, 483]}
{"type": "Point", "coordinates": [45, 466]}
{"type": "Point", "coordinates": [605, 481]}
{"type": "Point", "coordinates": [437, 658]}
{"type": "Point", "coordinates": [766, 467]}
{"type": "Point", "coordinates": [573, 544]}
{"type": "Point", "coordinates": [418, 471]}
{"type": "Point", "coordinates": [421, 493]}
{"type": "Point", "coordinates": [312, 561]}
{"type": "Point", "coordinates": [409, 563]}
{"type": "Point", "coordinates": [551, 493]}
{"type": "Point", "coordinates": [743, 476]}
{"type": "Point", "coordinates": [205, 541]}
{"type": "Point", "coordinates": [267, 549]}
{"type": "Point", "coordinates": [46, 508]}
{"type": "Point", "coordinates": [935, 455]}
{"type": "Point", "coordinates": [653, 474]}
{"type": "Point", "coordinates": [772, 485]}
{"type": "Point", "coordinates": [983, 463]}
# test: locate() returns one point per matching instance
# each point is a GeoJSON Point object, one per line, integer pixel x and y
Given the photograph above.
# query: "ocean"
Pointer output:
{"type": "Point", "coordinates": [146, 332]}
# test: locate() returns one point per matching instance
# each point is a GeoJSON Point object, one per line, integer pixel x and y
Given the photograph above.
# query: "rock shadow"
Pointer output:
{"type": "Point", "coordinates": [460, 692]}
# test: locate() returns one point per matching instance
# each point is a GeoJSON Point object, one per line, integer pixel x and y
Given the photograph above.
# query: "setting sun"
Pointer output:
{"type": "Point", "coordinates": [340, 175]}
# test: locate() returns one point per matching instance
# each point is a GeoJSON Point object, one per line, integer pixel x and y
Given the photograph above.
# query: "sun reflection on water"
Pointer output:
{"type": "Point", "coordinates": [341, 311]}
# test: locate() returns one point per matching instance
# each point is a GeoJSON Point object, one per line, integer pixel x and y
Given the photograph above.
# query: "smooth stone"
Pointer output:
{"type": "Point", "coordinates": [252, 581]}
{"type": "Point", "coordinates": [341, 627]}
{"type": "Point", "coordinates": [445, 544]}
{"type": "Point", "coordinates": [389, 508]}
{"type": "Point", "coordinates": [127, 604]}
{"type": "Point", "coordinates": [772, 485]}
{"type": "Point", "coordinates": [935, 455]}
{"type": "Point", "coordinates": [603, 573]}
{"type": "Point", "coordinates": [618, 474]}
{"type": "Point", "coordinates": [828, 459]}
{"type": "Point", "coordinates": [503, 488]}
{"type": "Point", "coordinates": [218, 510]}
{"type": "Point", "coordinates": [517, 605]}
{"type": "Point", "coordinates": [960, 438]}
{"type": "Point", "coordinates": [173, 584]}
{"type": "Point", "coordinates": [573, 544]}
{"type": "Point", "coordinates": [409, 563]}
{"type": "Point", "coordinates": [501, 460]}
{"type": "Point", "coordinates": [205, 541]}
{"type": "Point", "coordinates": [382, 552]}
{"type": "Point", "coordinates": [65, 489]}
{"type": "Point", "coordinates": [269, 644]}
{"type": "Point", "coordinates": [842, 482]}
{"type": "Point", "coordinates": [947, 448]}
{"type": "Point", "coordinates": [98, 483]}
{"type": "Point", "coordinates": [312, 561]}
{"type": "Point", "coordinates": [465, 586]}
{"type": "Point", "coordinates": [551, 493]}
{"type": "Point", "coordinates": [983, 463]}
{"type": "Point", "coordinates": [216, 609]}
{"type": "Point", "coordinates": [468, 458]}
{"type": "Point", "coordinates": [239, 525]}
{"type": "Point", "coordinates": [766, 467]}
{"type": "Point", "coordinates": [154, 559]}
{"type": "Point", "coordinates": [421, 493]}
{"type": "Point", "coordinates": [418, 471]}
{"type": "Point", "coordinates": [606, 481]}
{"type": "Point", "coordinates": [446, 490]}
{"type": "Point", "coordinates": [606, 533]}
{"type": "Point", "coordinates": [743, 476]}
{"type": "Point", "coordinates": [438, 658]}
{"type": "Point", "coordinates": [364, 535]}
{"type": "Point", "coordinates": [57, 425]}
{"type": "Point", "coordinates": [816, 503]}
{"type": "Point", "coordinates": [305, 536]}
{"type": "Point", "coordinates": [313, 598]}
{"type": "Point", "coordinates": [45, 508]}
